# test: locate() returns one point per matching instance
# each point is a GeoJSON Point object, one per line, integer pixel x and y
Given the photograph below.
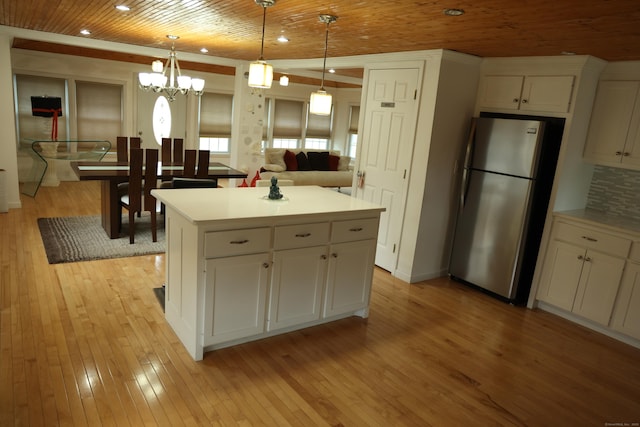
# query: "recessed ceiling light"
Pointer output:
{"type": "Point", "coordinates": [566, 52]}
{"type": "Point", "coordinates": [453, 12]}
{"type": "Point", "coordinates": [123, 8]}
{"type": "Point", "coordinates": [282, 39]}
{"type": "Point", "coordinates": [204, 50]}
{"type": "Point", "coordinates": [331, 70]}
{"type": "Point", "coordinates": [85, 32]}
{"type": "Point", "coordinates": [172, 37]}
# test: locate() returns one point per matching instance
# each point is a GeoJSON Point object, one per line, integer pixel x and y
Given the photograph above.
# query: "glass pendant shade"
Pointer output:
{"type": "Point", "coordinates": [284, 81]}
{"type": "Point", "coordinates": [144, 79]}
{"type": "Point", "coordinates": [197, 84]}
{"type": "Point", "coordinates": [320, 103]}
{"type": "Point", "coordinates": [260, 75]}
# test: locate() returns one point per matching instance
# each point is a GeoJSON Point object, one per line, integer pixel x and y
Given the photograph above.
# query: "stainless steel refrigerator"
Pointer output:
{"type": "Point", "coordinates": [502, 206]}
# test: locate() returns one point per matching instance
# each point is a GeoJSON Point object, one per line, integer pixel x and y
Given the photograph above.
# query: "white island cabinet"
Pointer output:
{"type": "Point", "coordinates": [241, 267]}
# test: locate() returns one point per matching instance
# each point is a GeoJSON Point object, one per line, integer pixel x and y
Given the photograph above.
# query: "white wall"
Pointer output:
{"type": "Point", "coordinates": [8, 141]}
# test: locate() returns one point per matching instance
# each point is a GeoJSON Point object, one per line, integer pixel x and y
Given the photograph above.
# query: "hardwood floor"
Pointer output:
{"type": "Point", "coordinates": [86, 344]}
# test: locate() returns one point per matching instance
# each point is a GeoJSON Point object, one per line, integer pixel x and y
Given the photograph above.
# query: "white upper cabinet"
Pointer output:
{"type": "Point", "coordinates": [614, 131]}
{"type": "Point", "coordinates": [526, 93]}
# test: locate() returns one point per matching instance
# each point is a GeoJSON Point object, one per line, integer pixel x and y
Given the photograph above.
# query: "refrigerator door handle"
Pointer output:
{"type": "Point", "coordinates": [468, 156]}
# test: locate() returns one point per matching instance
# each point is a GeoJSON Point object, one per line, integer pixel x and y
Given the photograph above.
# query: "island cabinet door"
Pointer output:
{"type": "Point", "coordinates": [297, 281]}
{"type": "Point", "coordinates": [235, 297]}
{"type": "Point", "coordinates": [349, 277]}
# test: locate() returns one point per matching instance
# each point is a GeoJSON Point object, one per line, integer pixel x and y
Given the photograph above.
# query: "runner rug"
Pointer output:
{"type": "Point", "coordinates": [82, 238]}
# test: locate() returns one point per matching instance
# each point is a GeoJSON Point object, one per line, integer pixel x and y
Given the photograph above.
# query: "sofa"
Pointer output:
{"type": "Point", "coordinates": [326, 168]}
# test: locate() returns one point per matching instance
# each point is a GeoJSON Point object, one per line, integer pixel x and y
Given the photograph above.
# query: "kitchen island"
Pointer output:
{"type": "Point", "coordinates": [242, 267]}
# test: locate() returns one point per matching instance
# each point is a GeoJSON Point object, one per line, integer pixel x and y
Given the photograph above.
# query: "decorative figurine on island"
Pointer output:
{"type": "Point", "coordinates": [274, 190]}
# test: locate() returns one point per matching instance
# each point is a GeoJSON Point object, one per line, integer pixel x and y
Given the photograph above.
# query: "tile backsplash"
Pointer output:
{"type": "Point", "coordinates": [615, 191]}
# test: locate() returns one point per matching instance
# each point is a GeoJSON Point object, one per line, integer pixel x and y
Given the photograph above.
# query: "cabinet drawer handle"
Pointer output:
{"type": "Point", "coordinates": [334, 255]}
{"type": "Point", "coordinates": [524, 101]}
{"type": "Point", "coordinates": [580, 257]}
{"type": "Point", "coordinates": [618, 153]}
{"type": "Point", "coordinates": [587, 259]}
{"type": "Point", "coordinates": [265, 265]}
{"type": "Point", "coordinates": [303, 235]}
{"type": "Point", "coordinates": [516, 100]}
{"type": "Point", "coordinates": [238, 242]}
{"type": "Point", "coordinates": [590, 239]}
{"type": "Point", "coordinates": [625, 154]}
{"type": "Point", "coordinates": [323, 257]}
{"type": "Point", "coordinates": [356, 229]}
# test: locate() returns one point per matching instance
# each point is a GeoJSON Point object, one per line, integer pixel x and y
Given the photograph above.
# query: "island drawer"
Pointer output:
{"type": "Point", "coordinates": [358, 229]}
{"type": "Point", "coordinates": [593, 239]}
{"type": "Point", "coordinates": [219, 244]}
{"type": "Point", "coordinates": [301, 236]}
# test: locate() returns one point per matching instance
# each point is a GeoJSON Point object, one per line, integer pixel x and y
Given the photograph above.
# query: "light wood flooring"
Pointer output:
{"type": "Point", "coordinates": [86, 344]}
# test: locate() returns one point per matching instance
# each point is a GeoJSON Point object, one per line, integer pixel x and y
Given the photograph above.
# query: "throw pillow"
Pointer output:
{"type": "Point", "coordinates": [343, 165]}
{"type": "Point", "coordinates": [333, 162]}
{"type": "Point", "coordinates": [275, 157]}
{"type": "Point", "coordinates": [319, 161]}
{"type": "Point", "coordinates": [303, 162]}
{"type": "Point", "coordinates": [290, 160]}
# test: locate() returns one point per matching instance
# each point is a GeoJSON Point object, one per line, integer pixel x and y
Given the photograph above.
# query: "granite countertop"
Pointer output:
{"type": "Point", "coordinates": [600, 218]}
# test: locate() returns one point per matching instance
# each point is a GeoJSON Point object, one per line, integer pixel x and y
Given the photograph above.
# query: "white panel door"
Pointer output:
{"type": "Point", "coordinates": [385, 154]}
{"type": "Point", "coordinates": [146, 104]}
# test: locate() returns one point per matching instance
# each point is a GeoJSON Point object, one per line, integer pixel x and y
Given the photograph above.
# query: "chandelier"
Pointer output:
{"type": "Point", "coordinates": [261, 73]}
{"type": "Point", "coordinates": [177, 83]}
{"type": "Point", "coordinates": [320, 101]}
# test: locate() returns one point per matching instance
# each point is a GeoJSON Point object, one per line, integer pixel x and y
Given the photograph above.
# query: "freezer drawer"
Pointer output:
{"type": "Point", "coordinates": [489, 231]}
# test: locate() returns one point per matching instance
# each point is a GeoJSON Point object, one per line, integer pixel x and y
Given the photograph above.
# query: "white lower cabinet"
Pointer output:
{"type": "Point", "coordinates": [626, 317]}
{"type": "Point", "coordinates": [349, 277]}
{"type": "Point", "coordinates": [235, 297]}
{"type": "Point", "coordinates": [582, 271]}
{"type": "Point", "coordinates": [297, 281]}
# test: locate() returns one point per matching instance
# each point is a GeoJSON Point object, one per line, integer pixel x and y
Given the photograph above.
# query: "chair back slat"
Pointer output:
{"type": "Point", "coordinates": [189, 163]}
{"type": "Point", "coordinates": [178, 148]}
{"type": "Point", "coordinates": [150, 174]}
{"type": "Point", "coordinates": [203, 164]}
{"type": "Point", "coordinates": [166, 150]}
{"type": "Point", "coordinates": [135, 142]}
{"type": "Point", "coordinates": [122, 150]}
{"type": "Point", "coordinates": [135, 179]}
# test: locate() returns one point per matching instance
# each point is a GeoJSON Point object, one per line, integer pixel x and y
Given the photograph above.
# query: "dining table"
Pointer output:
{"type": "Point", "coordinates": [113, 173]}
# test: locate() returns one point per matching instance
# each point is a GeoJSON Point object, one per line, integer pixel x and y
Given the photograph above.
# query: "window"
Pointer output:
{"type": "Point", "coordinates": [99, 110]}
{"type": "Point", "coordinates": [287, 123]}
{"type": "Point", "coordinates": [318, 131]}
{"type": "Point", "coordinates": [354, 115]}
{"type": "Point", "coordinates": [30, 126]}
{"type": "Point", "coordinates": [216, 112]}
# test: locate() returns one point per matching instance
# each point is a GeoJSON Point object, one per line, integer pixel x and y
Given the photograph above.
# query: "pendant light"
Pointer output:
{"type": "Point", "coordinates": [320, 101]}
{"type": "Point", "coordinates": [261, 73]}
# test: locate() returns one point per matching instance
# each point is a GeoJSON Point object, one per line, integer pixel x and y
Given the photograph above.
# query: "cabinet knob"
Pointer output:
{"type": "Point", "coordinates": [524, 101]}
{"type": "Point", "coordinates": [580, 257]}
{"type": "Point", "coordinates": [334, 255]}
{"type": "Point", "coordinates": [625, 154]}
{"type": "Point", "coordinates": [265, 265]}
{"type": "Point", "coordinates": [618, 153]}
{"type": "Point", "coordinates": [323, 256]}
{"type": "Point", "coordinates": [516, 100]}
{"type": "Point", "coordinates": [587, 259]}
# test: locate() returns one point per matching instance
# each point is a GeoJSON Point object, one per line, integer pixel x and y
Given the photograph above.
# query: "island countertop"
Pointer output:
{"type": "Point", "coordinates": [213, 204]}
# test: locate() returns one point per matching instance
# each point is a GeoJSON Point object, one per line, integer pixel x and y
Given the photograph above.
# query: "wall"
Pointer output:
{"type": "Point", "coordinates": [8, 144]}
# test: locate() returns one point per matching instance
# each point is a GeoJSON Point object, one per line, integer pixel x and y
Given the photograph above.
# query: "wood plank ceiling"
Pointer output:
{"type": "Point", "coordinates": [232, 28]}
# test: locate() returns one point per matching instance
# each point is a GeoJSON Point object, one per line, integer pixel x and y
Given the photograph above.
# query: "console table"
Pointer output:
{"type": "Point", "coordinates": [241, 267]}
{"type": "Point", "coordinates": [43, 151]}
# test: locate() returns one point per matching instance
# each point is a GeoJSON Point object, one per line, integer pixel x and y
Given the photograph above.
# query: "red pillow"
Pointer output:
{"type": "Point", "coordinates": [290, 160]}
{"type": "Point", "coordinates": [333, 162]}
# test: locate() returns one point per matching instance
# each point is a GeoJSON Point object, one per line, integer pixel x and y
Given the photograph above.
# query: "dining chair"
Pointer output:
{"type": "Point", "coordinates": [124, 144]}
{"type": "Point", "coordinates": [178, 150]}
{"type": "Point", "coordinates": [203, 164]}
{"type": "Point", "coordinates": [139, 196]}
{"type": "Point", "coordinates": [166, 151]}
{"type": "Point", "coordinates": [194, 183]}
{"type": "Point", "coordinates": [189, 168]}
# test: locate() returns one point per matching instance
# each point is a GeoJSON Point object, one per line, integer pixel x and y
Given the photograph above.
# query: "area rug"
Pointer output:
{"type": "Point", "coordinates": [82, 238]}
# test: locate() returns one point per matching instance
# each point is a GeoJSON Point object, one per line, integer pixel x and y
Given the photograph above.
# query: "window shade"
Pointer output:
{"type": "Point", "coordinates": [99, 110]}
{"type": "Point", "coordinates": [216, 110]}
{"type": "Point", "coordinates": [319, 126]}
{"type": "Point", "coordinates": [353, 120]}
{"type": "Point", "coordinates": [30, 127]}
{"type": "Point", "coordinates": [287, 118]}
